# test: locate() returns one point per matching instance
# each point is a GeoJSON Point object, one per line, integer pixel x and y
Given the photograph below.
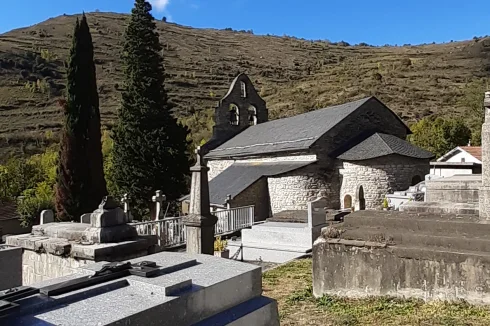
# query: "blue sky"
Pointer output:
{"type": "Point", "coordinates": [375, 22]}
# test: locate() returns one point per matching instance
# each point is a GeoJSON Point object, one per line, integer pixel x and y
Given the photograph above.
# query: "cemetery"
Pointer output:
{"type": "Point", "coordinates": [327, 217]}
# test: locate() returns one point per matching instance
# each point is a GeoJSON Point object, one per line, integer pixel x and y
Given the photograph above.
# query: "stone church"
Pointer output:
{"type": "Point", "coordinates": [352, 154]}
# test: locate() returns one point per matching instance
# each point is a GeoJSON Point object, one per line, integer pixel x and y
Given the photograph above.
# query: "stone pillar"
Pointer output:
{"type": "Point", "coordinates": [200, 222]}
{"type": "Point", "coordinates": [484, 192]}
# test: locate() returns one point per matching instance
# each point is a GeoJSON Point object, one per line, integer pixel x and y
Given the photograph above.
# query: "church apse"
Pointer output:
{"type": "Point", "coordinates": [239, 109]}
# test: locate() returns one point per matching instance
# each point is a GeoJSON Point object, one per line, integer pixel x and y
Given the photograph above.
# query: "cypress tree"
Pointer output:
{"type": "Point", "coordinates": [150, 147]}
{"type": "Point", "coordinates": [80, 181]}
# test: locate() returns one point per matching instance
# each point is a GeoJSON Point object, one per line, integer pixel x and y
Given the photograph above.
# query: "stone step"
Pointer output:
{"type": "Point", "coordinates": [283, 227]}
{"type": "Point", "coordinates": [281, 237]}
{"type": "Point", "coordinates": [401, 237]}
{"type": "Point", "coordinates": [455, 227]}
{"type": "Point", "coordinates": [267, 252]}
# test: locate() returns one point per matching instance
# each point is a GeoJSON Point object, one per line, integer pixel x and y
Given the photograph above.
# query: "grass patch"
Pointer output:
{"type": "Point", "coordinates": [290, 285]}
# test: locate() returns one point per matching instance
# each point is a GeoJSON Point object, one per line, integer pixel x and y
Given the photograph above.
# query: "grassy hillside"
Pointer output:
{"type": "Point", "coordinates": [292, 75]}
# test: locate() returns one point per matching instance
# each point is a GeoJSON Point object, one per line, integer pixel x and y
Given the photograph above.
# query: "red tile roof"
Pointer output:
{"type": "Point", "coordinates": [8, 211]}
{"type": "Point", "coordinates": [475, 151]}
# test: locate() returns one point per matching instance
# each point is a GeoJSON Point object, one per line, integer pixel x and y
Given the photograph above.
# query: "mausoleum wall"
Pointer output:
{"type": "Point", "coordinates": [377, 177]}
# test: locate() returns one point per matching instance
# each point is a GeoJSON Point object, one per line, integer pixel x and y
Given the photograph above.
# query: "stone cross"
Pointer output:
{"type": "Point", "coordinates": [47, 216]}
{"type": "Point", "coordinates": [125, 202]}
{"type": "Point", "coordinates": [158, 199]}
{"type": "Point", "coordinates": [199, 224]}
{"type": "Point", "coordinates": [228, 202]}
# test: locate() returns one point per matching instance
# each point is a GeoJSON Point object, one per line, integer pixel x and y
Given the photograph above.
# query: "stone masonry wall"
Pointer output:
{"type": "Point", "coordinates": [216, 167]}
{"type": "Point", "coordinates": [378, 177]}
{"type": "Point", "coordinates": [256, 195]}
{"type": "Point", "coordinates": [37, 267]}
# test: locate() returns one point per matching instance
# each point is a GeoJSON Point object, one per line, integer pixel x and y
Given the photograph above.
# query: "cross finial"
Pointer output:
{"type": "Point", "coordinates": [198, 152]}
{"type": "Point", "coordinates": [125, 198]}
{"type": "Point", "coordinates": [158, 198]}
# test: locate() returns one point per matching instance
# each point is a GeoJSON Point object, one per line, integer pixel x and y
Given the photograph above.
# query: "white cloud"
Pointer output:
{"type": "Point", "coordinates": [159, 5]}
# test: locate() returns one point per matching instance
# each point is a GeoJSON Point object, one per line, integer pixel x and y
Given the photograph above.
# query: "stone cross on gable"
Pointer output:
{"type": "Point", "coordinates": [159, 198]}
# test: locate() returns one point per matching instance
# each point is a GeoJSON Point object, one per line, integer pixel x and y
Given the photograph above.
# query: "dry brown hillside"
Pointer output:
{"type": "Point", "coordinates": [292, 75]}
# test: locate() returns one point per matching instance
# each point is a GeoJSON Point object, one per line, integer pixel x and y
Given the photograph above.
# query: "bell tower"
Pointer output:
{"type": "Point", "coordinates": [239, 109]}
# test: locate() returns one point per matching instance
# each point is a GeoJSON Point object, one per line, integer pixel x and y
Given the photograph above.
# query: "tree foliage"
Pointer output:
{"type": "Point", "coordinates": [150, 147]}
{"type": "Point", "coordinates": [80, 185]}
{"type": "Point", "coordinates": [30, 182]}
{"type": "Point", "coordinates": [439, 135]}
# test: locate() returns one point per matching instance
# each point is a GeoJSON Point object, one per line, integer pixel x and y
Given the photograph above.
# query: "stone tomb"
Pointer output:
{"type": "Point", "coordinates": [278, 242]}
{"type": "Point", "coordinates": [187, 290]}
{"type": "Point", "coordinates": [57, 249]}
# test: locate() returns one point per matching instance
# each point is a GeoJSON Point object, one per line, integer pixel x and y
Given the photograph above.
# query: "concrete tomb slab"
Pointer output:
{"type": "Point", "coordinates": [188, 290]}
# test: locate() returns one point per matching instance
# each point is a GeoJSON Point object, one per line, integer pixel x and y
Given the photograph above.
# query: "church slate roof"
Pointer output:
{"type": "Point", "coordinates": [378, 145]}
{"type": "Point", "coordinates": [240, 176]}
{"type": "Point", "coordinates": [295, 133]}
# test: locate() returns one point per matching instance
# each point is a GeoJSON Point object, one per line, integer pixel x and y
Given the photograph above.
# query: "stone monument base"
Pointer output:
{"type": "Point", "coordinates": [187, 290]}
{"type": "Point", "coordinates": [421, 255]}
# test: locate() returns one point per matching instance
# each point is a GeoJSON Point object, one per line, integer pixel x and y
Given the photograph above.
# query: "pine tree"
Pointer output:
{"type": "Point", "coordinates": [80, 181]}
{"type": "Point", "coordinates": [150, 147]}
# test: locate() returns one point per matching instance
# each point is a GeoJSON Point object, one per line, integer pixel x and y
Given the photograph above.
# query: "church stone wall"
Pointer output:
{"type": "Point", "coordinates": [378, 177]}
{"type": "Point", "coordinates": [256, 195]}
{"type": "Point", "coordinates": [292, 191]}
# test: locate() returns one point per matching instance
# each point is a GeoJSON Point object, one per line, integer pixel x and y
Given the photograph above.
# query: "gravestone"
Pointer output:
{"type": "Point", "coordinates": [181, 290]}
{"type": "Point", "coordinates": [85, 218]}
{"type": "Point", "coordinates": [317, 214]}
{"type": "Point", "coordinates": [47, 216]}
{"type": "Point", "coordinates": [56, 249]}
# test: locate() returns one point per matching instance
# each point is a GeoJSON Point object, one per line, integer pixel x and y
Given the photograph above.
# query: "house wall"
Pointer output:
{"type": "Point", "coordinates": [378, 177]}
{"type": "Point", "coordinates": [449, 172]}
{"type": "Point", "coordinates": [463, 156]}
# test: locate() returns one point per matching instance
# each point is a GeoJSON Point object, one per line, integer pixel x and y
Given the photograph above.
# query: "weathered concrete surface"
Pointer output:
{"type": "Point", "coordinates": [441, 208]}
{"type": "Point", "coordinates": [455, 189]}
{"type": "Point", "coordinates": [357, 269]}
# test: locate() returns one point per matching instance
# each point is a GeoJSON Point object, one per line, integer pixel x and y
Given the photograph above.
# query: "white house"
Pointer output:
{"type": "Point", "coordinates": [460, 160]}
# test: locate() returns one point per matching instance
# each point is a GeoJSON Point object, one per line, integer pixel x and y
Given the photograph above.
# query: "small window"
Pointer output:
{"type": "Point", "coordinates": [252, 116]}
{"type": "Point", "coordinates": [463, 160]}
{"type": "Point", "coordinates": [243, 89]}
{"type": "Point", "coordinates": [234, 115]}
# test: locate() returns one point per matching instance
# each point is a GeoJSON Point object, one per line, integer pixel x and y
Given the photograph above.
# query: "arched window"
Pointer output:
{"type": "Point", "coordinates": [243, 89]}
{"type": "Point", "coordinates": [234, 115]}
{"type": "Point", "coordinates": [252, 116]}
